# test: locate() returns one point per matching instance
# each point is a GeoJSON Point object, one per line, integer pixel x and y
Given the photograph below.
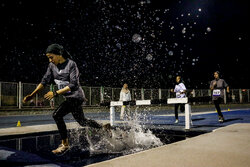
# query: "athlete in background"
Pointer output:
{"type": "Point", "coordinates": [180, 91]}
{"type": "Point", "coordinates": [217, 86]}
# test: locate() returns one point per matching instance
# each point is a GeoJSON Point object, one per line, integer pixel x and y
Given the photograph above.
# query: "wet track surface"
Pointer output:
{"type": "Point", "coordinates": [147, 117]}
{"type": "Point", "coordinates": [160, 123]}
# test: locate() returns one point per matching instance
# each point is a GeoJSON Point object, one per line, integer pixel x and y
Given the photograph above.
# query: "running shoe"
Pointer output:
{"type": "Point", "coordinates": [62, 149]}
{"type": "Point", "coordinates": [221, 119]}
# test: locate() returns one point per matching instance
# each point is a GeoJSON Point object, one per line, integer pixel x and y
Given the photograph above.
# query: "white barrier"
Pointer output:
{"type": "Point", "coordinates": [177, 100]}
{"type": "Point", "coordinates": [112, 115]}
{"type": "Point", "coordinates": [188, 121]}
{"type": "Point", "coordinates": [143, 102]}
{"type": "Point", "coordinates": [113, 104]}
{"type": "Point", "coordinates": [116, 103]}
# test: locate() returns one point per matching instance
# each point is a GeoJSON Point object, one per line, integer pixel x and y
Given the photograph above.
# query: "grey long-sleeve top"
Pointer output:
{"type": "Point", "coordinates": [218, 91]}
{"type": "Point", "coordinates": [65, 74]}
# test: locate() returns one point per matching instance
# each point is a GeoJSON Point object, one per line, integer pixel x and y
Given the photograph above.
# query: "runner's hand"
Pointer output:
{"type": "Point", "coordinates": [49, 95]}
{"type": "Point", "coordinates": [27, 98]}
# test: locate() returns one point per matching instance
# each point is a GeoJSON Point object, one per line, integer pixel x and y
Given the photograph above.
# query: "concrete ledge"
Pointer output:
{"type": "Point", "coordinates": [225, 147]}
{"type": "Point", "coordinates": [33, 129]}
{"type": "Point", "coordinates": [24, 130]}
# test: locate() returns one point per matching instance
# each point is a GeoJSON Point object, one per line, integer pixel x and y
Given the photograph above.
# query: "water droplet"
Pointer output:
{"type": "Point", "coordinates": [142, 2]}
{"type": "Point", "coordinates": [183, 30]}
{"type": "Point", "coordinates": [118, 27]}
{"type": "Point", "coordinates": [136, 38]}
{"type": "Point", "coordinates": [199, 9]}
{"type": "Point", "coordinates": [118, 45]}
{"type": "Point", "coordinates": [170, 53]}
{"type": "Point", "coordinates": [149, 57]}
{"type": "Point", "coordinates": [208, 29]}
{"type": "Point", "coordinates": [166, 10]}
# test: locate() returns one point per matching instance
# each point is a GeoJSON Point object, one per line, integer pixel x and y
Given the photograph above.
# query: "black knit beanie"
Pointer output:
{"type": "Point", "coordinates": [55, 49]}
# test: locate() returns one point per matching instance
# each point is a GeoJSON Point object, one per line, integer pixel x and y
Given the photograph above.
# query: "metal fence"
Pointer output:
{"type": "Point", "coordinates": [11, 95]}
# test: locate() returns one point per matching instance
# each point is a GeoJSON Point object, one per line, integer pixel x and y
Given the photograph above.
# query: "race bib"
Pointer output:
{"type": "Point", "coordinates": [216, 92]}
{"type": "Point", "coordinates": [178, 94]}
{"type": "Point", "coordinates": [61, 84]}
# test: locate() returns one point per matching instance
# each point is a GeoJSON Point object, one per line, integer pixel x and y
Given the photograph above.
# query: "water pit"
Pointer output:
{"type": "Point", "coordinates": [89, 146]}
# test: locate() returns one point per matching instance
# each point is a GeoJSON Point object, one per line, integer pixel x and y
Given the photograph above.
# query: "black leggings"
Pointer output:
{"type": "Point", "coordinates": [74, 106]}
{"type": "Point", "coordinates": [217, 106]}
{"type": "Point", "coordinates": [182, 108]}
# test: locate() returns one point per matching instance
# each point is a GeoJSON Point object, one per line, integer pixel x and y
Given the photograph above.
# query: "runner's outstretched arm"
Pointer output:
{"type": "Point", "coordinates": [30, 96]}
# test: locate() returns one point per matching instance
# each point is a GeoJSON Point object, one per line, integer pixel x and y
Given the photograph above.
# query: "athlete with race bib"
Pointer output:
{"type": "Point", "coordinates": [217, 86]}
{"type": "Point", "coordinates": [64, 72]}
{"type": "Point", "coordinates": [180, 91]}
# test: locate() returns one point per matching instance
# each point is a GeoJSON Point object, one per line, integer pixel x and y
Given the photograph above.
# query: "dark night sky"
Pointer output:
{"type": "Point", "coordinates": [191, 38]}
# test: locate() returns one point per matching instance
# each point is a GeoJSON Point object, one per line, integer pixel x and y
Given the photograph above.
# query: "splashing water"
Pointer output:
{"type": "Point", "coordinates": [135, 139]}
